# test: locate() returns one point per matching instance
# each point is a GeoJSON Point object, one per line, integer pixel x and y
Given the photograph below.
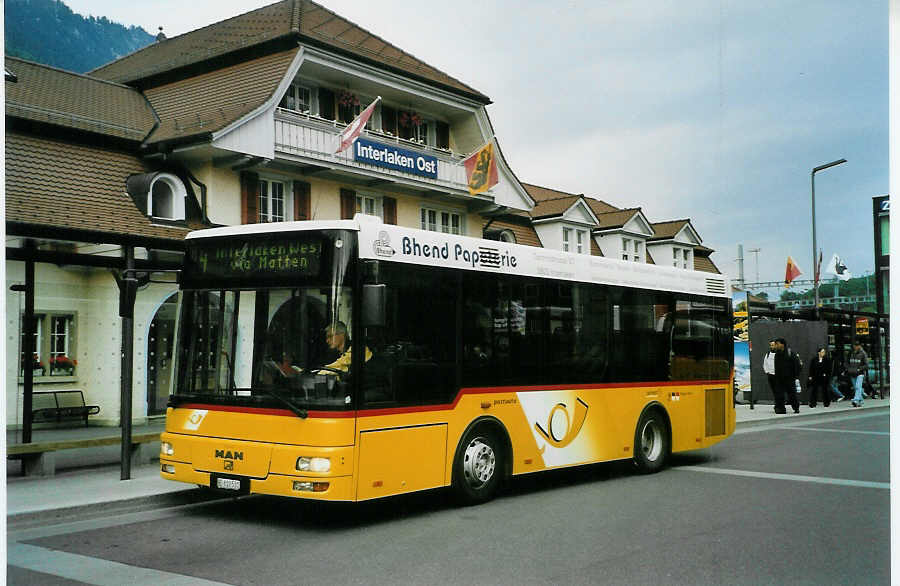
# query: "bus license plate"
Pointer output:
{"type": "Point", "coordinates": [228, 483]}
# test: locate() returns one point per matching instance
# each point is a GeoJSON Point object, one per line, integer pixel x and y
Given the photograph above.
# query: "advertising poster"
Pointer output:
{"type": "Point", "coordinates": [741, 343]}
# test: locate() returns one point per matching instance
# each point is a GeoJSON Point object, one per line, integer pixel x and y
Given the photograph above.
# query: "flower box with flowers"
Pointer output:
{"type": "Point", "coordinates": [37, 367]}
{"type": "Point", "coordinates": [62, 366]}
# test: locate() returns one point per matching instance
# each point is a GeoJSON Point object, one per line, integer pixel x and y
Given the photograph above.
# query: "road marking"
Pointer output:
{"type": "Point", "coordinates": [794, 477]}
{"type": "Point", "coordinates": [841, 430]}
{"type": "Point", "coordinates": [93, 570]}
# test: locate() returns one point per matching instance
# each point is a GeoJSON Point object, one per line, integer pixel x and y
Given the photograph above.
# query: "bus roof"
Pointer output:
{"type": "Point", "coordinates": [421, 247]}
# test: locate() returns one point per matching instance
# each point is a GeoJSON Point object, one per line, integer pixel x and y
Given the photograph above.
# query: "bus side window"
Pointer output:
{"type": "Point", "coordinates": [414, 353]}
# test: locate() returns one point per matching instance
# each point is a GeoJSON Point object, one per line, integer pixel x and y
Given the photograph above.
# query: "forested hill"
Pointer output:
{"type": "Point", "coordinates": [47, 31]}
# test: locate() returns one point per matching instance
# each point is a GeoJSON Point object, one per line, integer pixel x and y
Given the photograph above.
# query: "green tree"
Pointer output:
{"type": "Point", "coordinates": [48, 32]}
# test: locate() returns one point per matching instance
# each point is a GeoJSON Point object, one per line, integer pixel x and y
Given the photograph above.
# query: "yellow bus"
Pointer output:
{"type": "Point", "coordinates": [352, 360]}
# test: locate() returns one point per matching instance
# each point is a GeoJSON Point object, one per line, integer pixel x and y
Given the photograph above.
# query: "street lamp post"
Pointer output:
{"type": "Point", "coordinates": [756, 252]}
{"type": "Point", "coordinates": [812, 178]}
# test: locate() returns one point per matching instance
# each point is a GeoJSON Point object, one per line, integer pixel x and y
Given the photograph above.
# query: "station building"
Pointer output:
{"type": "Point", "coordinates": [234, 123]}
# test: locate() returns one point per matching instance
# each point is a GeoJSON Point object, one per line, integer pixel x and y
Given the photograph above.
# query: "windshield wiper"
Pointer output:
{"type": "Point", "coordinates": [301, 413]}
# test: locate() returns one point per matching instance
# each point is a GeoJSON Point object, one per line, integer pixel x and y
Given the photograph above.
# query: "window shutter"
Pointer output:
{"type": "Point", "coordinates": [390, 210]}
{"type": "Point", "coordinates": [326, 103]}
{"type": "Point", "coordinates": [388, 119]}
{"type": "Point", "coordinates": [249, 198]}
{"type": "Point", "coordinates": [348, 204]}
{"type": "Point", "coordinates": [442, 132]}
{"type": "Point", "coordinates": [301, 200]}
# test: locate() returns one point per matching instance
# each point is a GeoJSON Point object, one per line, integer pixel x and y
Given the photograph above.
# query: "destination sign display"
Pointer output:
{"type": "Point", "coordinates": [262, 259]}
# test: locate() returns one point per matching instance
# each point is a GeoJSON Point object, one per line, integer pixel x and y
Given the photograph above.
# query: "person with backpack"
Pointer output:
{"type": "Point", "coordinates": [787, 377]}
{"type": "Point", "coordinates": [857, 364]}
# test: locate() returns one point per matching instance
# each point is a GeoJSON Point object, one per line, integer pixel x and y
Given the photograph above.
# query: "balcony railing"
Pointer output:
{"type": "Point", "coordinates": [317, 138]}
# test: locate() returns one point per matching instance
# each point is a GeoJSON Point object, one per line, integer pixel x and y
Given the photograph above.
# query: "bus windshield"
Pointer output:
{"type": "Point", "coordinates": [287, 347]}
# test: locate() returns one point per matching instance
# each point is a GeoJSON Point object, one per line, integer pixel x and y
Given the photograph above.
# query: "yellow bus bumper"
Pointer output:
{"type": "Point", "coordinates": [339, 488]}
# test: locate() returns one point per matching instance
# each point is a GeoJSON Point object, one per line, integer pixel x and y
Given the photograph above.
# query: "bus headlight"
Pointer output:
{"type": "Point", "coordinates": [167, 449]}
{"type": "Point", "coordinates": [305, 464]}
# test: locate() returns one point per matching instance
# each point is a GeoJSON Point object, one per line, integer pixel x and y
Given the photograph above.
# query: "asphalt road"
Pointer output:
{"type": "Point", "coordinates": [785, 503]}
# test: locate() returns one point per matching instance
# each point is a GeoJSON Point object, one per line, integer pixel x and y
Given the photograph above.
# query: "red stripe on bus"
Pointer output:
{"type": "Point", "coordinates": [267, 411]}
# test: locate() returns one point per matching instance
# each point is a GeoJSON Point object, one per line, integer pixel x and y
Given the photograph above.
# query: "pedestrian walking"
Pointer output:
{"type": "Point", "coordinates": [857, 364]}
{"type": "Point", "coordinates": [769, 365]}
{"type": "Point", "coordinates": [819, 378]}
{"type": "Point", "coordinates": [787, 373]}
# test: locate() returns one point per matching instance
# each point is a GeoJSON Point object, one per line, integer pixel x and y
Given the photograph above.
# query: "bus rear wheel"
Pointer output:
{"type": "Point", "coordinates": [651, 442]}
{"type": "Point", "coordinates": [478, 467]}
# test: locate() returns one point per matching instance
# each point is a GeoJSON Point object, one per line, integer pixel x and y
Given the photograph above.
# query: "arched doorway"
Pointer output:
{"type": "Point", "coordinates": [160, 353]}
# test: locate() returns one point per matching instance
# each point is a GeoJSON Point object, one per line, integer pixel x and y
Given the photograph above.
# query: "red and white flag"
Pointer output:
{"type": "Point", "coordinates": [791, 272]}
{"type": "Point", "coordinates": [354, 128]}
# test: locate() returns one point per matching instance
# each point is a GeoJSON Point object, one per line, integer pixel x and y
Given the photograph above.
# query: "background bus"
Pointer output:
{"type": "Point", "coordinates": [469, 361]}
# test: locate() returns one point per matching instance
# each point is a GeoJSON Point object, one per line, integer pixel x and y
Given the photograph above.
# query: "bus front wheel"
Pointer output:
{"type": "Point", "coordinates": [651, 442]}
{"type": "Point", "coordinates": [478, 467]}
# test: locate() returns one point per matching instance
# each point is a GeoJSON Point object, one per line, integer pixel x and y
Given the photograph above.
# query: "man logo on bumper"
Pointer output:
{"type": "Point", "coordinates": [229, 457]}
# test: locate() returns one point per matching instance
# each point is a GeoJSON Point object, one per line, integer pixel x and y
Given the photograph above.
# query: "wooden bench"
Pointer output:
{"type": "Point", "coordinates": [39, 458]}
{"type": "Point", "coordinates": [57, 405]}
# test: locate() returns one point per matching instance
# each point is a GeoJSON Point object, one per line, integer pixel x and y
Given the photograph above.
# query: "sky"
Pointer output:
{"type": "Point", "coordinates": [712, 110]}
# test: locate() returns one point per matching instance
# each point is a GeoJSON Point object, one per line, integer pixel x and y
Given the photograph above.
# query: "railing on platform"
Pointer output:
{"type": "Point", "coordinates": [310, 136]}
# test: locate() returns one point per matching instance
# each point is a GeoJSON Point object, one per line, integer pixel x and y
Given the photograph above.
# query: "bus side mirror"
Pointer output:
{"type": "Point", "coordinates": [373, 304]}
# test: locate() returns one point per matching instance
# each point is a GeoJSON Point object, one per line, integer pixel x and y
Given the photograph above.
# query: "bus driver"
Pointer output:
{"type": "Point", "coordinates": [337, 339]}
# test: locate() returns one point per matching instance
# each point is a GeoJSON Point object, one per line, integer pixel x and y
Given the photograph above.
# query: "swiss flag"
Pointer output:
{"type": "Point", "coordinates": [354, 128]}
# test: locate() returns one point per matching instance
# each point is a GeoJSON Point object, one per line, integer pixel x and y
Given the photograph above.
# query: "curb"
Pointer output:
{"type": "Point", "coordinates": [188, 496]}
{"type": "Point", "coordinates": [804, 414]}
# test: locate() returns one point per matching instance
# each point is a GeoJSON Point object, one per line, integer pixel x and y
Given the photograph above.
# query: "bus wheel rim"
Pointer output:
{"type": "Point", "coordinates": [479, 462]}
{"type": "Point", "coordinates": [651, 440]}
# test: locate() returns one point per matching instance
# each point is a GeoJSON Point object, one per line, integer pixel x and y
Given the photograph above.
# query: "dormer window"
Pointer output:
{"type": "Point", "coordinates": [574, 240]}
{"type": "Point", "coordinates": [682, 257]}
{"type": "Point", "coordinates": [161, 195]}
{"type": "Point", "coordinates": [631, 249]}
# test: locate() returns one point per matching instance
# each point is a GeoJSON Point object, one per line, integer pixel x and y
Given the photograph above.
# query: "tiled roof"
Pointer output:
{"type": "Point", "coordinates": [525, 234]}
{"type": "Point", "coordinates": [600, 206]}
{"type": "Point", "coordinates": [306, 20]}
{"type": "Point", "coordinates": [666, 230]}
{"type": "Point", "coordinates": [58, 184]}
{"type": "Point", "coordinates": [615, 219]}
{"type": "Point", "coordinates": [539, 194]}
{"type": "Point", "coordinates": [549, 208]}
{"type": "Point", "coordinates": [53, 96]}
{"type": "Point", "coordinates": [209, 102]}
{"type": "Point", "coordinates": [705, 264]}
